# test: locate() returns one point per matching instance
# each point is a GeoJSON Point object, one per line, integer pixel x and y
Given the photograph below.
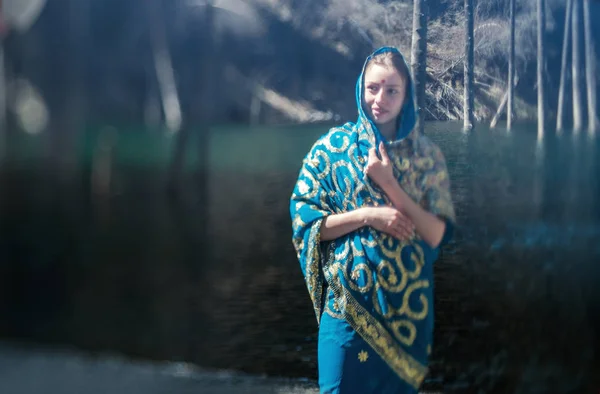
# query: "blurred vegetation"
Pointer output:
{"type": "Point", "coordinates": [271, 61]}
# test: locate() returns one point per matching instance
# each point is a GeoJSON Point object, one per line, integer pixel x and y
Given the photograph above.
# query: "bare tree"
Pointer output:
{"type": "Point", "coordinates": [160, 51]}
{"type": "Point", "coordinates": [590, 67]}
{"type": "Point", "coordinates": [541, 61]}
{"type": "Point", "coordinates": [163, 65]}
{"type": "Point", "coordinates": [80, 17]}
{"type": "Point", "coordinates": [419, 55]}
{"type": "Point", "coordinates": [576, 64]}
{"type": "Point", "coordinates": [390, 22]}
{"type": "Point", "coordinates": [563, 67]}
{"type": "Point", "coordinates": [468, 66]}
{"type": "Point", "coordinates": [68, 105]}
{"type": "Point", "coordinates": [511, 67]}
{"type": "Point", "coordinates": [3, 84]}
{"type": "Point", "coordinates": [16, 16]}
{"type": "Point", "coordinates": [3, 103]}
{"type": "Point", "coordinates": [502, 104]}
{"type": "Point", "coordinates": [153, 115]}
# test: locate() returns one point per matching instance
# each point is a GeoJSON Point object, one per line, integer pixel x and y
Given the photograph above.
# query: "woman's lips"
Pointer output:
{"type": "Point", "coordinates": [378, 111]}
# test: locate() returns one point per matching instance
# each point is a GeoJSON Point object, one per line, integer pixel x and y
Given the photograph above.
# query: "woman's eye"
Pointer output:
{"type": "Point", "coordinates": [392, 91]}
{"type": "Point", "coordinates": [372, 89]}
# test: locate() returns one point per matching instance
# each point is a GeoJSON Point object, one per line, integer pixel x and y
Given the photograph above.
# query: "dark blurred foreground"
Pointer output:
{"type": "Point", "coordinates": [208, 275]}
{"type": "Point", "coordinates": [27, 370]}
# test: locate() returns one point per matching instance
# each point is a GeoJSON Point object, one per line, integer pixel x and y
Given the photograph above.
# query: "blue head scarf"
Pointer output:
{"type": "Point", "coordinates": [381, 286]}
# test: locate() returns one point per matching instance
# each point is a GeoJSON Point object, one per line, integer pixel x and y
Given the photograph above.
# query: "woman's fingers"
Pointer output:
{"type": "Point", "coordinates": [399, 236]}
{"type": "Point", "coordinates": [372, 156]}
{"type": "Point", "coordinates": [408, 225]}
{"type": "Point", "coordinates": [400, 231]}
{"type": "Point", "coordinates": [384, 156]}
{"type": "Point", "coordinates": [405, 230]}
{"type": "Point", "coordinates": [404, 226]}
{"type": "Point", "coordinates": [402, 235]}
{"type": "Point", "coordinates": [395, 230]}
{"type": "Point", "coordinates": [394, 223]}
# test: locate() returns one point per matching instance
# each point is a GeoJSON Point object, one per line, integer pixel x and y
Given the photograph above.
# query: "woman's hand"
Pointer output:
{"type": "Point", "coordinates": [380, 171]}
{"type": "Point", "coordinates": [390, 221]}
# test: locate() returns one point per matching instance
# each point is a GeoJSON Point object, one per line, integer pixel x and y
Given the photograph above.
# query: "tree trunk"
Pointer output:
{"type": "Point", "coordinates": [3, 104]}
{"type": "Point", "coordinates": [576, 67]}
{"type": "Point", "coordinates": [67, 100]}
{"type": "Point", "coordinates": [511, 68]}
{"type": "Point", "coordinates": [3, 94]}
{"type": "Point", "coordinates": [541, 61]}
{"type": "Point", "coordinates": [152, 101]}
{"type": "Point", "coordinates": [469, 60]}
{"type": "Point", "coordinates": [418, 57]}
{"type": "Point", "coordinates": [209, 98]}
{"type": "Point", "coordinates": [167, 91]}
{"type": "Point", "coordinates": [502, 105]}
{"type": "Point", "coordinates": [80, 25]}
{"type": "Point", "coordinates": [590, 68]}
{"type": "Point", "coordinates": [255, 107]}
{"type": "Point", "coordinates": [163, 65]}
{"type": "Point", "coordinates": [500, 109]}
{"type": "Point", "coordinates": [209, 101]}
{"type": "Point", "coordinates": [563, 67]}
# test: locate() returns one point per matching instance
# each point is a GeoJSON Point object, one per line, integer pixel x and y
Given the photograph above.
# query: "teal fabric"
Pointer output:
{"type": "Point", "coordinates": [347, 364]}
{"type": "Point", "coordinates": [380, 287]}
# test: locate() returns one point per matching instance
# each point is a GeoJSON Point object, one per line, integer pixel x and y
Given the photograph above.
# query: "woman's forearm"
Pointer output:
{"type": "Point", "coordinates": [338, 225]}
{"type": "Point", "coordinates": [427, 225]}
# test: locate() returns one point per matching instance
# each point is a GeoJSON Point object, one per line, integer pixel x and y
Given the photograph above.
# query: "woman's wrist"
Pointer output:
{"type": "Point", "coordinates": [365, 215]}
{"type": "Point", "coordinates": [396, 195]}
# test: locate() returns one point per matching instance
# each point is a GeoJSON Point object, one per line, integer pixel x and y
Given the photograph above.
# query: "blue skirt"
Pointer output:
{"type": "Point", "coordinates": [348, 365]}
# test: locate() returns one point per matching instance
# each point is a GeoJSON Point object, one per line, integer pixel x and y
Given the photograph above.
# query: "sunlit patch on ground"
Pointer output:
{"type": "Point", "coordinates": [26, 370]}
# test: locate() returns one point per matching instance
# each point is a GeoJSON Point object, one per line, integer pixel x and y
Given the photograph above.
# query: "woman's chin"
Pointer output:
{"type": "Point", "coordinates": [378, 118]}
{"type": "Point", "coordinates": [381, 120]}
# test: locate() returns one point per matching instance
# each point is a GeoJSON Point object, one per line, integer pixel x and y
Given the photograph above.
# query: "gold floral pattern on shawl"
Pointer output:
{"type": "Point", "coordinates": [383, 343]}
{"type": "Point", "coordinates": [376, 268]}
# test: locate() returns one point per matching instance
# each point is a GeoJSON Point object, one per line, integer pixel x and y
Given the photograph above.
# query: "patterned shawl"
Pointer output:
{"type": "Point", "coordinates": [381, 286]}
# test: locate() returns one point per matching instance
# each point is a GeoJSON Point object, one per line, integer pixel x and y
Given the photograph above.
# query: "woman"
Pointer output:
{"type": "Point", "coordinates": [370, 210]}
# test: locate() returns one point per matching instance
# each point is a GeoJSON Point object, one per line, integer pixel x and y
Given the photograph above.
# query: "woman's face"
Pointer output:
{"type": "Point", "coordinates": [385, 90]}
